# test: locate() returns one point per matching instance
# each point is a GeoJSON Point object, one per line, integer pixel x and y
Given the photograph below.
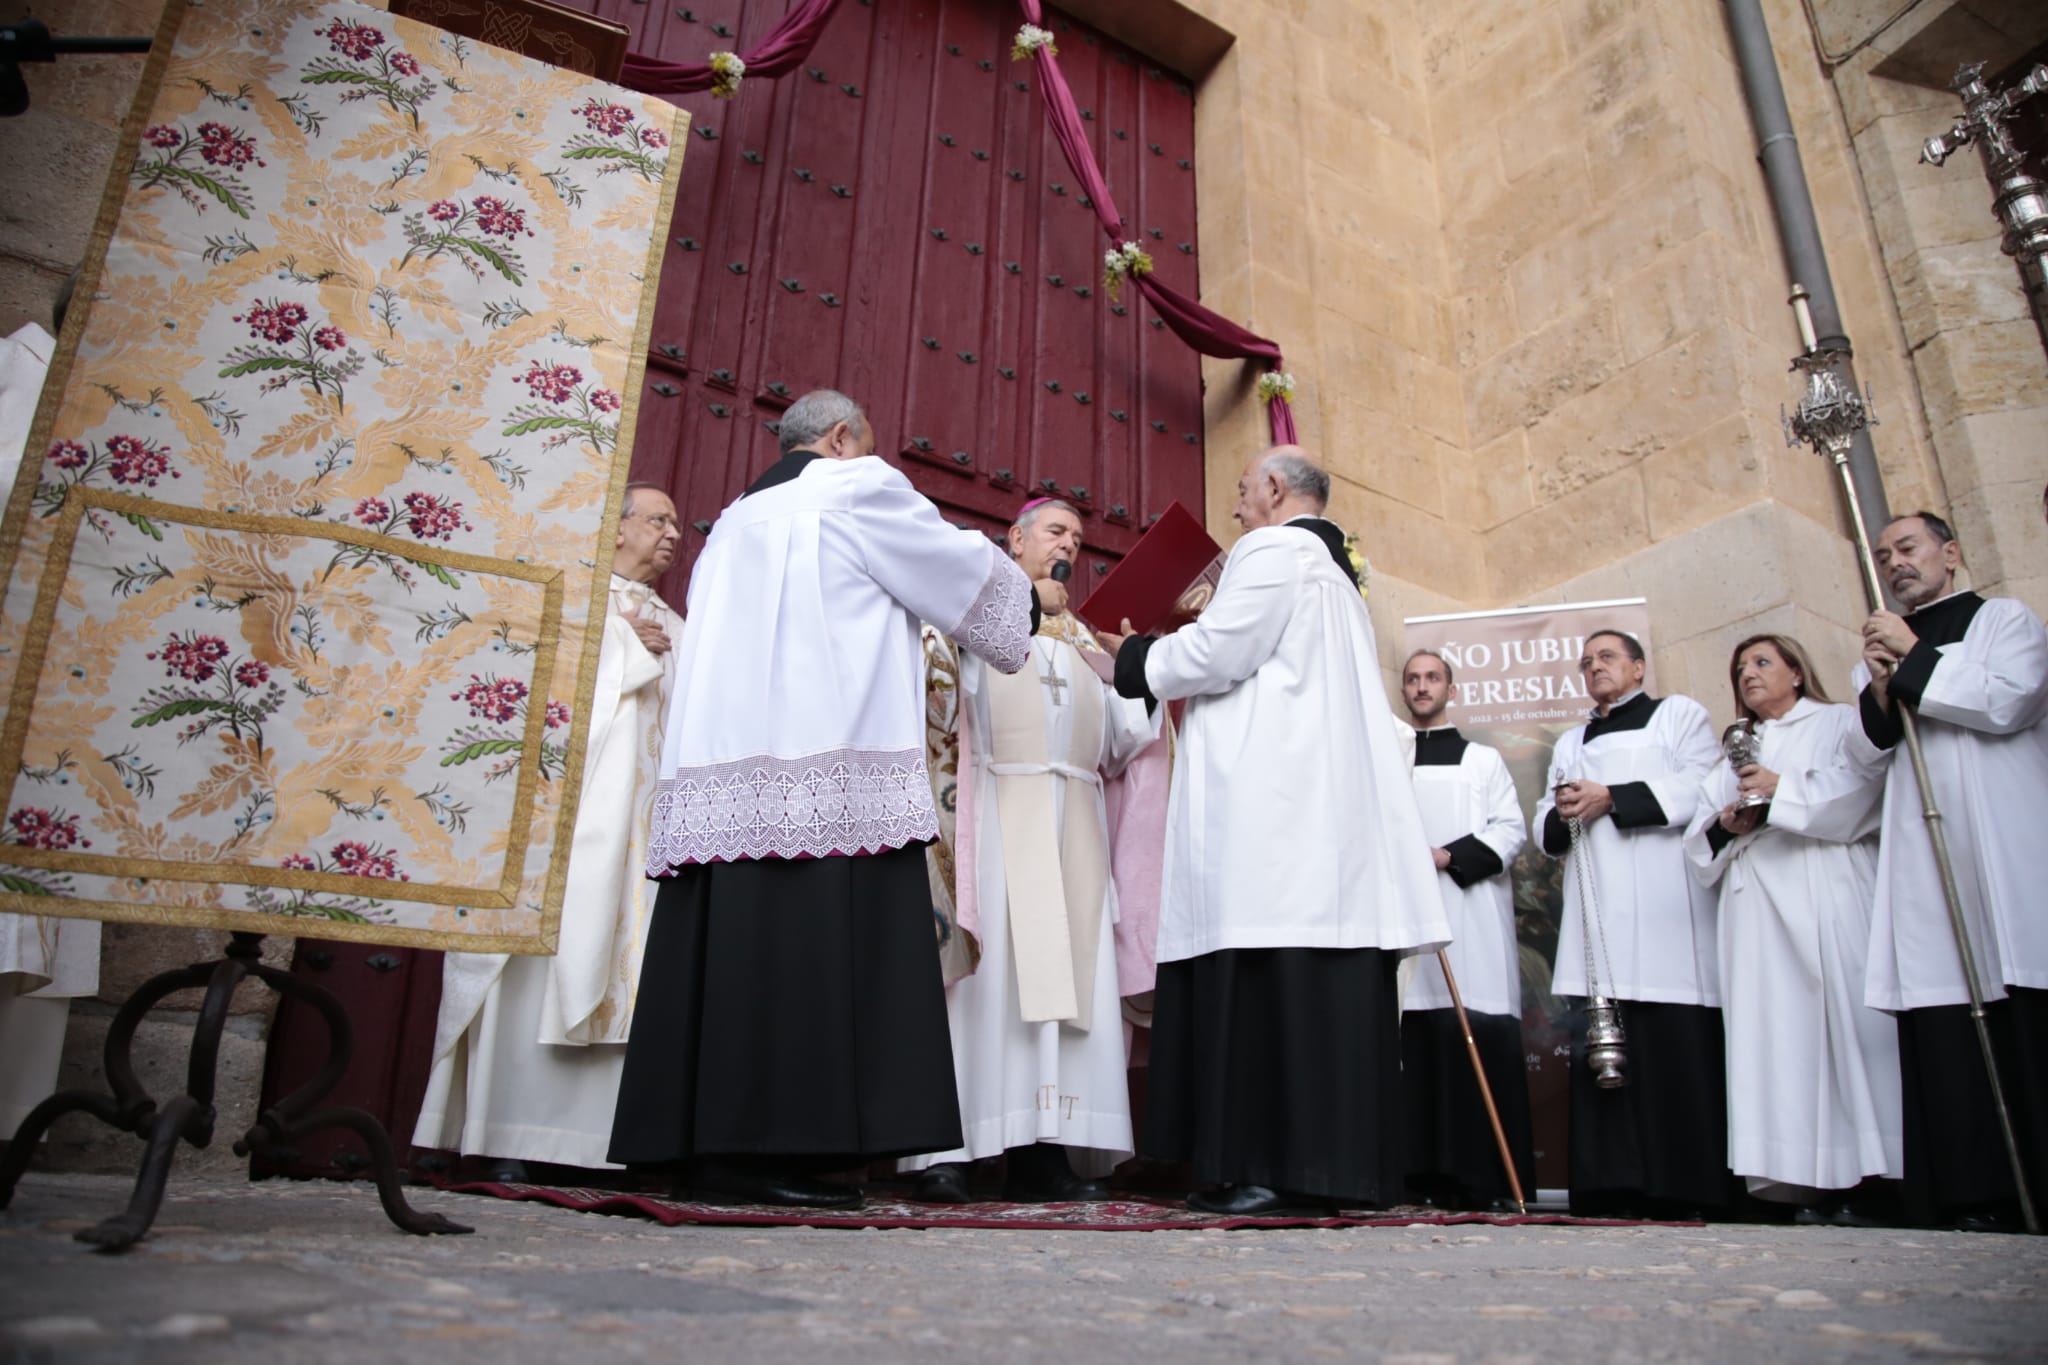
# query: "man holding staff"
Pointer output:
{"type": "Point", "coordinates": [1976, 671]}
{"type": "Point", "coordinates": [1473, 821]}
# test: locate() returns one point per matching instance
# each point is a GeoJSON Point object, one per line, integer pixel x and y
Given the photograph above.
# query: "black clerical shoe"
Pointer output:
{"type": "Point", "coordinates": [1063, 1187]}
{"type": "Point", "coordinates": [508, 1172]}
{"type": "Point", "coordinates": [1041, 1174]}
{"type": "Point", "coordinates": [1835, 1215]}
{"type": "Point", "coordinates": [945, 1183]}
{"type": "Point", "coordinates": [1994, 1219]}
{"type": "Point", "coordinates": [725, 1183]}
{"type": "Point", "coordinates": [1252, 1201]}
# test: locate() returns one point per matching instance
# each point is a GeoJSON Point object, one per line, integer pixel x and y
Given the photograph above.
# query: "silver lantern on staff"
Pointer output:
{"type": "Point", "coordinates": [1606, 1039]}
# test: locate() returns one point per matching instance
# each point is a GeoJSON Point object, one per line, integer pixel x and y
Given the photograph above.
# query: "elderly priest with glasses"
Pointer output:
{"type": "Point", "coordinates": [789, 1022]}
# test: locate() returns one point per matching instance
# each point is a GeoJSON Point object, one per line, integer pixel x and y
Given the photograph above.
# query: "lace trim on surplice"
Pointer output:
{"type": "Point", "coordinates": [845, 801]}
{"type": "Point", "coordinates": [997, 624]}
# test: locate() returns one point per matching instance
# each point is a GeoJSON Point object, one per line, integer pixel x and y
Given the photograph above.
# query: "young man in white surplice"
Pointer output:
{"type": "Point", "coordinates": [528, 1050]}
{"type": "Point", "coordinates": [1976, 669]}
{"type": "Point", "coordinates": [1631, 775]}
{"type": "Point", "coordinates": [1813, 1072]}
{"type": "Point", "coordinates": [1038, 1033]}
{"type": "Point", "coordinates": [1472, 818]}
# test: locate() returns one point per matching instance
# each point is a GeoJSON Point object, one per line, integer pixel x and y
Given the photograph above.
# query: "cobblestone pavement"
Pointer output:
{"type": "Point", "coordinates": [312, 1273]}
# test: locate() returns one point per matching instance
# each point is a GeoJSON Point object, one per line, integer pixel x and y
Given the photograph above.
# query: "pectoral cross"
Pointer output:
{"type": "Point", "coordinates": [1057, 684]}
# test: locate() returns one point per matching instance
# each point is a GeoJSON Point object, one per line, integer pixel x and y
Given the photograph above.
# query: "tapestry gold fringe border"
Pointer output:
{"type": "Point", "coordinates": [28, 679]}
{"type": "Point", "coordinates": [635, 395]}
{"type": "Point", "coordinates": [86, 291]}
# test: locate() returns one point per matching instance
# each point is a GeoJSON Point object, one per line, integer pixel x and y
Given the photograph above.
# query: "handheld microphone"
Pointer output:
{"type": "Point", "coordinates": [1061, 571]}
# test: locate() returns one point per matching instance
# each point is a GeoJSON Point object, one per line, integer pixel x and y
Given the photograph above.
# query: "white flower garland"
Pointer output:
{"type": "Point", "coordinates": [1275, 384]}
{"type": "Point", "coordinates": [1029, 39]}
{"type": "Point", "coordinates": [1119, 261]}
{"type": "Point", "coordinates": [726, 70]}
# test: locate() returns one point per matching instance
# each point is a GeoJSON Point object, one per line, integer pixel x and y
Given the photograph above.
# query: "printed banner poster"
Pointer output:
{"type": "Point", "coordinates": [322, 492]}
{"type": "Point", "coordinates": [1516, 686]}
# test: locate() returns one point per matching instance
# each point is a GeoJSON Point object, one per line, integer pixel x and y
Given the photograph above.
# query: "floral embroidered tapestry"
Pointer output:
{"type": "Point", "coordinates": [323, 490]}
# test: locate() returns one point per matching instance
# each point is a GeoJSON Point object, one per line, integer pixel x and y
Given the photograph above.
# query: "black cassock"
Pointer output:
{"type": "Point", "coordinates": [790, 1008]}
{"type": "Point", "coordinates": [1452, 1156]}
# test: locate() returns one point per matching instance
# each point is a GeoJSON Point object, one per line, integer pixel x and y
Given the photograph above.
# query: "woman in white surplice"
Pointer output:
{"type": "Point", "coordinates": [1813, 1073]}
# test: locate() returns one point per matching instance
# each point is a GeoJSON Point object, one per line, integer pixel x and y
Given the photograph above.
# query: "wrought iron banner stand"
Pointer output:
{"type": "Point", "coordinates": [189, 1117]}
{"type": "Point", "coordinates": [1827, 418]}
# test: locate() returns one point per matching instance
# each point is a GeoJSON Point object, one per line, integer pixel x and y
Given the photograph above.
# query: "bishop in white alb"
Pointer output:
{"type": "Point", "coordinates": [1037, 1028]}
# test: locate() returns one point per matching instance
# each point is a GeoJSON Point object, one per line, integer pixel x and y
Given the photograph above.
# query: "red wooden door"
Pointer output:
{"type": "Point", "coordinates": [896, 221]}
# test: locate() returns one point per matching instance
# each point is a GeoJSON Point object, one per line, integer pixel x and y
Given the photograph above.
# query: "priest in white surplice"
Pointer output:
{"type": "Point", "coordinates": [1038, 1029]}
{"type": "Point", "coordinates": [1296, 874]}
{"type": "Point", "coordinates": [789, 1022]}
{"type": "Point", "coordinates": [44, 962]}
{"type": "Point", "coordinates": [528, 1050]}
{"type": "Point", "coordinates": [1473, 821]}
{"type": "Point", "coordinates": [1813, 1072]}
{"type": "Point", "coordinates": [1976, 669]}
{"type": "Point", "coordinates": [1631, 774]}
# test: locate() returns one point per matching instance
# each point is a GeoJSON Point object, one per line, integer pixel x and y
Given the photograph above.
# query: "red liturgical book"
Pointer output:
{"type": "Point", "coordinates": [1173, 565]}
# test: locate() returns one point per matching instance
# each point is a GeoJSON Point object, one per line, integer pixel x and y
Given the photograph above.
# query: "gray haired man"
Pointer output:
{"type": "Point", "coordinates": [790, 1021]}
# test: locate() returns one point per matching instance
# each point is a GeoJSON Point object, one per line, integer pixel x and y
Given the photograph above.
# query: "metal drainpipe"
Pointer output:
{"type": "Point", "coordinates": [1805, 257]}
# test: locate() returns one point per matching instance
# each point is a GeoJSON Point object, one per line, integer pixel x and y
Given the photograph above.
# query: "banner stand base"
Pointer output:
{"type": "Point", "coordinates": [190, 1116]}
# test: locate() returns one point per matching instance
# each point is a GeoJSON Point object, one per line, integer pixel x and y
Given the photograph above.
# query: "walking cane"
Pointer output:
{"type": "Point", "coordinates": [1828, 418]}
{"type": "Point", "coordinates": [1500, 1136]}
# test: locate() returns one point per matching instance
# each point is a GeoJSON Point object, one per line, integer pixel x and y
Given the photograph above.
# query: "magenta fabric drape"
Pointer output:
{"type": "Point", "coordinates": [786, 45]}
{"type": "Point", "coordinates": [1207, 331]}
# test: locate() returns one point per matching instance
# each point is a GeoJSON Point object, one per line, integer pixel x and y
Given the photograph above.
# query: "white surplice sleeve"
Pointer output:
{"type": "Point", "coordinates": [1832, 795]}
{"type": "Point", "coordinates": [1717, 789]}
{"type": "Point", "coordinates": [1504, 831]}
{"type": "Point", "coordinates": [1689, 739]}
{"type": "Point", "coordinates": [1238, 632]}
{"type": "Point", "coordinates": [1128, 729]}
{"type": "Point", "coordinates": [2004, 688]}
{"type": "Point", "coordinates": [956, 579]}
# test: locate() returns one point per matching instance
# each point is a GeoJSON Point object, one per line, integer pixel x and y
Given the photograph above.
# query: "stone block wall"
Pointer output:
{"type": "Point", "coordinates": [1981, 370]}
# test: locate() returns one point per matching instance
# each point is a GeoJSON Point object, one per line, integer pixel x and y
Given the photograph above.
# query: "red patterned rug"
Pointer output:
{"type": "Point", "coordinates": [1135, 1213]}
